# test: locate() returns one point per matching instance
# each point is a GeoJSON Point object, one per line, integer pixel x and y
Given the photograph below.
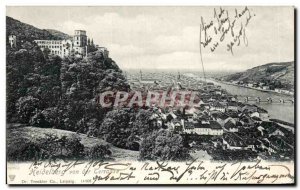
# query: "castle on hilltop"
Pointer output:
{"type": "Point", "coordinates": [77, 45]}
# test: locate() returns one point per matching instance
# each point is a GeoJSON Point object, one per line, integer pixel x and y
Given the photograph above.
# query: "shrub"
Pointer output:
{"type": "Point", "coordinates": [24, 151]}
{"type": "Point", "coordinates": [93, 125]}
{"type": "Point", "coordinates": [99, 152]}
{"type": "Point", "coordinates": [74, 147]}
{"type": "Point", "coordinates": [39, 120]}
{"type": "Point", "coordinates": [50, 146]}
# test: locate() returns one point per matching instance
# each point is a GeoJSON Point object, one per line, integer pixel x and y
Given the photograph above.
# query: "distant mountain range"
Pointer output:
{"type": "Point", "coordinates": [282, 72]}
{"type": "Point", "coordinates": [28, 32]}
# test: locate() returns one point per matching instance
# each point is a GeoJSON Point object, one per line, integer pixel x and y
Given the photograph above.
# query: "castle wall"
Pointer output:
{"type": "Point", "coordinates": [77, 45]}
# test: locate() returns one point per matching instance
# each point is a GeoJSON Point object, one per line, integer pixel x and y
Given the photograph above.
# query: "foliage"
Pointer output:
{"type": "Point", "coordinates": [27, 32]}
{"type": "Point", "coordinates": [163, 145]}
{"type": "Point", "coordinates": [47, 91]}
{"type": "Point", "coordinates": [39, 120]}
{"type": "Point", "coordinates": [26, 107]}
{"type": "Point", "coordinates": [66, 89]}
{"type": "Point", "coordinates": [49, 146]}
{"type": "Point", "coordinates": [74, 147]}
{"type": "Point", "coordinates": [99, 152]}
{"type": "Point", "coordinates": [125, 127]}
{"type": "Point", "coordinates": [24, 151]}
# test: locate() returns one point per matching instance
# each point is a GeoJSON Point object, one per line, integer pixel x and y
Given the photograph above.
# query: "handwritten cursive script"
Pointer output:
{"type": "Point", "coordinates": [226, 28]}
{"type": "Point", "coordinates": [194, 171]}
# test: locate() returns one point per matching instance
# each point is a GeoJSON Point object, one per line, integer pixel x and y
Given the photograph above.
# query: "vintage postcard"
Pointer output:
{"type": "Point", "coordinates": [150, 95]}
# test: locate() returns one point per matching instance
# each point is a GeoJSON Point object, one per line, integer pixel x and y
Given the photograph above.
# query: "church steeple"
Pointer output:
{"type": "Point", "coordinates": [141, 75]}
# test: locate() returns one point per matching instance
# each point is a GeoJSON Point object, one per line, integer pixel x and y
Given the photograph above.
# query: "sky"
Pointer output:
{"type": "Point", "coordinates": [168, 37]}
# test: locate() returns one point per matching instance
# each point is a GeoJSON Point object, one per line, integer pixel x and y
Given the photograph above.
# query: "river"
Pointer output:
{"type": "Point", "coordinates": [280, 111]}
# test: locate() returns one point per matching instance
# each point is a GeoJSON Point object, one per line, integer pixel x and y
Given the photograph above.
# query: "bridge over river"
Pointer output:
{"type": "Point", "coordinates": [279, 106]}
{"type": "Point", "coordinates": [269, 100]}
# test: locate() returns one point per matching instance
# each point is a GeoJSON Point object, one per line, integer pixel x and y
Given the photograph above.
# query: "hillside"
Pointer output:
{"type": "Point", "coordinates": [59, 34]}
{"type": "Point", "coordinates": [66, 86]}
{"type": "Point", "coordinates": [29, 33]}
{"type": "Point", "coordinates": [282, 72]}
{"type": "Point", "coordinates": [17, 135]}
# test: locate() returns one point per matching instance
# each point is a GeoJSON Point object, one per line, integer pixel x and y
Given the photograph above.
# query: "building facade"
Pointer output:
{"type": "Point", "coordinates": [203, 128]}
{"type": "Point", "coordinates": [63, 48]}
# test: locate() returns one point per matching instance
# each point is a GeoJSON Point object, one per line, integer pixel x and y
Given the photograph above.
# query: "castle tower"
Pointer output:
{"type": "Point", "coordinates": [80, 38]}
{"type": "Point", "coordinates": [12, 39]}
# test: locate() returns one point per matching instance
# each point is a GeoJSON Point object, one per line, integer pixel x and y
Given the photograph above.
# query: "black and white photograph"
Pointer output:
{"type": "Point", "coordinates": [161, 95]}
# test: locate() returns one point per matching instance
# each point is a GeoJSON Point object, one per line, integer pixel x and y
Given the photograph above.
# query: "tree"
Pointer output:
{"type": "Point", "coordinates": [46, 52]}
{"type": "Point", "coordinates": [142, 124]}
{"type": "Point", "coordinates": [163, 145]}
{"type": "Point", "coordinates": [39, 120]}
{"type": "Point", "coordinates": [58, 92]}
{"type": "Point", "coordinates": [27, 107]}
{"type": "Point", "coordinates": [116, 127]}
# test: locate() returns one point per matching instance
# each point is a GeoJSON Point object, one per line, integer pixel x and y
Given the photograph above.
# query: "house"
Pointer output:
{"type": "Point", "coordinates": [190, 113]}
{"type": "Point", "coordinates": [230, 125]}
{"type": "Point", "coordinates": [249, 108]}
{"type": "Point", "coordinates": [254, 114]}
{"type": "Point", "coordinates": [203, 128]}
{"type": "Point", "coordinates": [251, 143]}
{"type": "Point", "coordinates": [266, 145]}
{"type": "Point", "coordinates": [246, 120]}
{"type": "Point", "coordinates": [176, 125]}
{"type": "Point", "coordinates": [265, 87]}
{"type": "Point", "coordinates": [279, 145]}
{"type": "Point", "coordinates": [233, 142]}
{"type": "Point", "coordinates": [273, 129]}
{"type": "Point", "coordinates": [250, 84]}
{"type": "Point", "coordinates": [218, 92]}
{"type": "Point", "coordinates": [209, 84]}
{"type": "Point", "coordinates": [218, 106]}
{"type": "Point", "coordinates": [232, 106]}
{"type": "Point", "coordinates": [240, 106]}
{"type": "Point", "coordinates": [256, 119]}
{"type": "Point", "coordinates": [216, 115]}
{"type": "Point", "coordinates": [277, 132]}
{"type": "Point", "coordinates": [263, 114]}
{"type": "Point", "coordinates": [278, 90]}
{"type": "Point", "coordinates": [157, 119]}
{"type": "Point", "coordinates": [204, 106]}
{"type": "Point", "coordinates": [232, 114]}
{"type": "Point", "coordinates": [170, 116]}
{"type": "Point", "coordinates": [216, 128]}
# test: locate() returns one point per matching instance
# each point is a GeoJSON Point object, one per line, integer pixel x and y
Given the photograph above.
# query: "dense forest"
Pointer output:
{"type": "Point", "coordinates": [47, 91]}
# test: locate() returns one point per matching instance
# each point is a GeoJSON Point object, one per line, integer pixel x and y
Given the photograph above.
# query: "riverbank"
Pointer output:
{"type": "Point", "coordinates": [253, 88]}
{"type": "Point", "coordinates": [276, 110]}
